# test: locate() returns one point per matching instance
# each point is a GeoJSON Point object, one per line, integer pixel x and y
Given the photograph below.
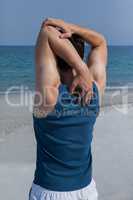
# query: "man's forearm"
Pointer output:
{"type": "Point", "coordinates": [90, 36]}
{"type": "Point", "coordinates": [64, 49]}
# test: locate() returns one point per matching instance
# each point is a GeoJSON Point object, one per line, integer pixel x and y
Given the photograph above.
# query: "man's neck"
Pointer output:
{"type": "Point", "coordinates": [66, 77]}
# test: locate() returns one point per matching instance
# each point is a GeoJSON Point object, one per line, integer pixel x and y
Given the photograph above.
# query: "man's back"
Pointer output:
{"type": "Point", "coordinates": [64, 138]}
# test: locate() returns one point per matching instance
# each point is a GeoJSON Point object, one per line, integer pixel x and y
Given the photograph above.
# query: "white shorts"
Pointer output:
{"type": "Point", "coordinates": [87, 193]}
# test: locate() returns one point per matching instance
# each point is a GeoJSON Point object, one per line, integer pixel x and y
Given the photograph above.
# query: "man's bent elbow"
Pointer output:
{"type": "Point", "coordinates": [103, 40]}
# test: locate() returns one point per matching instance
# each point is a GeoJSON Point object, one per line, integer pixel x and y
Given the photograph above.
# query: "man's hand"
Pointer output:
{"type": "Point", "coordinates": [64, 27]}
{"type": "Point", "coordinates": [82, 84]}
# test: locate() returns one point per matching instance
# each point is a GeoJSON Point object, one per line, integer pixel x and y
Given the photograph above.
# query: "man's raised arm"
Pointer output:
{"type": "Point", "coordinates": [97, 58]}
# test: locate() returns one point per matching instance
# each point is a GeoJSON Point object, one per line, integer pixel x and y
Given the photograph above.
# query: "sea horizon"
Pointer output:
{"type": "Point", "coordinates": [17, 66]}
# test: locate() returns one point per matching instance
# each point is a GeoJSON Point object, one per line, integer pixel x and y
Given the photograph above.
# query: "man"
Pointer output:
{"type": "Point", "coordinates": [64, 160]}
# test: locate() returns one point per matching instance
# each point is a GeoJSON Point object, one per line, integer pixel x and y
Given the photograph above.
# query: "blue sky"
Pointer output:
{"type": "Point", "coordinates": [20, 19]}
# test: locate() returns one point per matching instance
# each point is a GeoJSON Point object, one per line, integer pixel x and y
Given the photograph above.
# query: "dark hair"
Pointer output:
{"type": "Point", "coordinates": [78, 43]}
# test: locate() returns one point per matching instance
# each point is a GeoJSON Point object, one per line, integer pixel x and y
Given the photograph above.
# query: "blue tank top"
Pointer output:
{"type": "Point", "coordinates": [64, 159]}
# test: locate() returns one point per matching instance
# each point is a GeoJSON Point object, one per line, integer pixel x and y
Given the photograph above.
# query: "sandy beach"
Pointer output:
{"type": "Point", "coordinates": [112, 150]}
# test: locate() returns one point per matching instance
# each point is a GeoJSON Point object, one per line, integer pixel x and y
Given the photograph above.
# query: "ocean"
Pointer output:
{"type": "Point", "coordinates": [17, 66]}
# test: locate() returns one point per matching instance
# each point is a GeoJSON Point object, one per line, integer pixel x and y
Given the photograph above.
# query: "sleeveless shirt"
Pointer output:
{"type": "Point", "coordinates": [64, 158]}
